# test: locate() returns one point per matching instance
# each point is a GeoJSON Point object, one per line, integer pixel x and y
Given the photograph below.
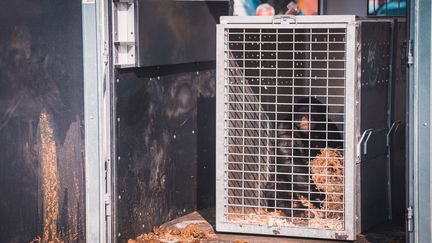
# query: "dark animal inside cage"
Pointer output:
{"type": "Point", "coordinates": [300, 137]}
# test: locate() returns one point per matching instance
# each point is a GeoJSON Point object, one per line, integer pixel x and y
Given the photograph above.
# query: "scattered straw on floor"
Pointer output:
{"type": "Point", "coordinates": [240, 241]}
{"type": "Point", "coordinates": [262, 216]}
{"type": "Point", "coordinates": [191, 233]}
{"type": "Point", "coordinates": [278, 219]}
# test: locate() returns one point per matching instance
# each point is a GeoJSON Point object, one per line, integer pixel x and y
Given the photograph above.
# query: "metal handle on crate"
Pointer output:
{"type": "Point", "coordinates": [394, 127]}
{"type": "Point", "coordinates": [365, 136]}
{"type": "Point", "coordinates": [284, 18]}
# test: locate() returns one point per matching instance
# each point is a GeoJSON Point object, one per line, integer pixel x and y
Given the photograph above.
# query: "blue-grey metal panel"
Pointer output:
{"type": "Point", "coordinates": [94, 212]}
{"type": "Point", "coordinates": [420, 118]}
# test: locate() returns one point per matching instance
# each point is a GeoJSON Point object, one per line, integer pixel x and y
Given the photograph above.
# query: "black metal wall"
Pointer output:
{"type": "Point", "coordinates": [166, 116]}
{"type": "Point", "coordinates": [400, 102]}
{"type": "Point", "coordinates": [172, 32]}
{"type": "Point", "coordinates": [165, 143]}
{"type": "Point", "coordinates": [41, 121]}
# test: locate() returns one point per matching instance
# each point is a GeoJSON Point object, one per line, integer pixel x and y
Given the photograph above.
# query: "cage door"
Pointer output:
{"type": "Point", "coordinates": [285, 132]}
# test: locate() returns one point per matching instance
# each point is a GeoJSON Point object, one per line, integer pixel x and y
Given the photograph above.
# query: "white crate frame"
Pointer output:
{"type": "Point", "coordinates": [351, 227]}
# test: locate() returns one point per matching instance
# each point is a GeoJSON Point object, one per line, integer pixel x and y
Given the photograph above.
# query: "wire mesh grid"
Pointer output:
{"type": "Point", "coordinates": [284, 106]}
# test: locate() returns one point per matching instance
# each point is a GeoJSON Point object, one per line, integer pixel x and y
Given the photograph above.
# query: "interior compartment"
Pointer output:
{"type": "Point", "coordinates": [166, 129]}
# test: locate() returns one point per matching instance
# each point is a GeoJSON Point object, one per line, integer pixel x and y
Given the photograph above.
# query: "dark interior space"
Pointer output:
{"type": "Point", "coordinates": [166, 148]}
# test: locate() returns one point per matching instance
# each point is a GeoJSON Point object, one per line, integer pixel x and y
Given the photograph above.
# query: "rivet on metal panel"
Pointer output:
{"type": "Point", "coordinates": [118, 80]}
{"type": "Point", "coordinates": [118, 119]}
{"type": "Point", "coordinates": [118, 158]}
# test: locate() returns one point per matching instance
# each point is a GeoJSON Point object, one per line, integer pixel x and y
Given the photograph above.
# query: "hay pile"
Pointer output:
{"type": "Point", "coordinates": [191, 233]}
{"type": "Point", "coordinates": [328, 171]}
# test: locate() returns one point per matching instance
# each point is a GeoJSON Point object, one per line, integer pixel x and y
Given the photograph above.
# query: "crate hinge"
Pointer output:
{"type": "Point", "coordinates": [107, 196]}
{"type": "Point", "coordinates": [410, 53]}
{"type": "Point", "coordinates": [410, 219]}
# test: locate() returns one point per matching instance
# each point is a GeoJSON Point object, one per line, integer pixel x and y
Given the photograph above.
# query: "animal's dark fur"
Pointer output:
{"type": "Point", "coordinates": [295, 148]}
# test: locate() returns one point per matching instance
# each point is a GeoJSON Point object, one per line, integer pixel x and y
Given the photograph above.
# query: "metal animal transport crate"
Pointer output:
{"type": "Point", "coordinates": [302, 123]}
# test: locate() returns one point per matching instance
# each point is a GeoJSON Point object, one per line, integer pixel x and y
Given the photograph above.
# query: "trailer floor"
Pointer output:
{"type": "Point", "coordinates": [204, 221]}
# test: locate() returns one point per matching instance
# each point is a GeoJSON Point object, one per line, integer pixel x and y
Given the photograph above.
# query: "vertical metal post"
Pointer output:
{"type": "Point", "coordinates": [390, 114]}
{"type": "Point", "coordinates": [97, 121]}
{"type": "Point", "coordinates": [322, 7]}
{"type": "Point", "coordinates": [420, 118]}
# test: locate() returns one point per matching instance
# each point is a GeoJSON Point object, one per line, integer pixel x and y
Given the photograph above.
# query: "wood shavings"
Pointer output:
{"type": "Point", "coordinates": [240, 241]}
{"type": "Point", "coordinates": [328, 176]}
{"type": "Point", "coordinates": [37, 239]}
{"type": "Point", "coordinates": [262, 216]}
{"type": "Point", "coordinates": [50, 180]}
{"type": "Point", "coordinates": [190, 233]}
{"type": "Point", "coordinates": [277, 219]}
{"type": "Point", "coordinates": [327, 170]}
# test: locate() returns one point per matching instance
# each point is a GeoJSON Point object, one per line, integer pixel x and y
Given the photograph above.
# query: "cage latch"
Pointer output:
{"type": "Point", "coordinates": [394, 127]}
{"type": "Point", "coordinates": [284, 19]}
{"type": "Point", "coordinates": [365, 137]}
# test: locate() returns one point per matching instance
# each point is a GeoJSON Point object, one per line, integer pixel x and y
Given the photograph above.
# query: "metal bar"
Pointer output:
{"type": "Point", "coordinates": [94, 115]}
{"type": "Point", "coordinates": [390, 112]}
{"type": "Point", "coordinates": [220, 124]}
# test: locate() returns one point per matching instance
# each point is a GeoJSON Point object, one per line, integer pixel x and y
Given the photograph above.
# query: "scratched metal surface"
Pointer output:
{"type": "Point", "coordinates": [41, 128]}
{"type": "Point", "coordinates": [165, 140]}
